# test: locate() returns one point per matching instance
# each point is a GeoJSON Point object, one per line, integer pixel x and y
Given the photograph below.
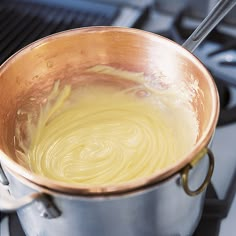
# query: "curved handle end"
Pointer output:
{"type": "Point", "coordinates": [203, 186]}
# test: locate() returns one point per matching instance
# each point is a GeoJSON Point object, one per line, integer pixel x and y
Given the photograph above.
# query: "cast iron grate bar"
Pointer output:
{"type": "Point", "coordinates": [43, 29]}
{"type": "Point", "coordinates": [35, 33]}
{"type": "Point", "coordinates": [227, 63]}
{"type": "Point", "coordinates": [11, 22]}
{"type": "Point", "coordinates": [5, 17]}
{"type": "Point", "coordinates": [24, 21]}
{"type": "Point", "coordinates": [217, 51]}
{"type": "Point", "coordinates": [25, 30]}
{"type": "Point", "coordinates": [228, 46]}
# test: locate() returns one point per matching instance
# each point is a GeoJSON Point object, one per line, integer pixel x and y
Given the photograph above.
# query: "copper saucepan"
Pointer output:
{"type": "Point", "coordinates": [65, 56]}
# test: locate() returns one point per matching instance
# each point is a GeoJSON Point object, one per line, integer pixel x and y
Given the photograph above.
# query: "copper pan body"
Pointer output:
{"type": "Point", "coordinates": [32, 71]}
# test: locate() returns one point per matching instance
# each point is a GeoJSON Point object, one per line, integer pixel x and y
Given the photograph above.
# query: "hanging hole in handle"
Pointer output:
{"type": "Point", "coordinates": [202, 187]}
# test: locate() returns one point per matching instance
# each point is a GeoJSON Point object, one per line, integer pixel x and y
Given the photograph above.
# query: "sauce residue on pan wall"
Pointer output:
{"type": "Point", "coordinates": [101, 135]}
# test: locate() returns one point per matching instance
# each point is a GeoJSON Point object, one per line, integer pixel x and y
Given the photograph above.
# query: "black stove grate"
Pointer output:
{"type": "Point", "coordinates": [22, 22]}
{"type": "Point", "coordinates": [217, 52]}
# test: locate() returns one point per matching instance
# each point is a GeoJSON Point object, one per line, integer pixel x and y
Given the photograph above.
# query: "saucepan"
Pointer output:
{"type": "Point", "coordinates": [167, 203]}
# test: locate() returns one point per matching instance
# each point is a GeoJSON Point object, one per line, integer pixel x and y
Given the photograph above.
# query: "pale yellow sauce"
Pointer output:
{"type": "Point", "coordinates": [99, 135]}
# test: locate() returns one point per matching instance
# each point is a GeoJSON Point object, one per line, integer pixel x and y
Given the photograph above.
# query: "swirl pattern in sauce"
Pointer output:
{"type": "Point", "coordinates": [107, 136]}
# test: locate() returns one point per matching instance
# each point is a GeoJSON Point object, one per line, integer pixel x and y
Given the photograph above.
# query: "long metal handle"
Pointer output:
{"type": "Point", "coordinates": [9, 204]}
{"type": "Point", "coordinates": [44, 205]}
{"type": "Point", "coordinates": [207, 25]}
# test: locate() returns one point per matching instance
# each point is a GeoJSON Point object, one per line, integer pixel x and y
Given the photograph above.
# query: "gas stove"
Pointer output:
{"type": "Point", "coordinates": [175, 19]}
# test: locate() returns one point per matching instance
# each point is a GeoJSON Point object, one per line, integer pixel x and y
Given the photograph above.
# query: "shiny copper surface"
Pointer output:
{"type": "Point", "coordinates": [32, 72]}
